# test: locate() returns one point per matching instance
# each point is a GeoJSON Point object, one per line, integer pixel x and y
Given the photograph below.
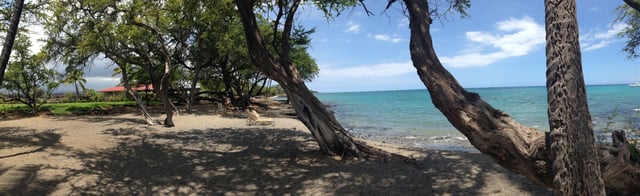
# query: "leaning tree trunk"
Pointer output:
{"type": "Point", "coordinates": [518, 148]}
{"type": "Point", "coordinates": [143, 108]}
{"type": "Point", "coordinates": [332, 138]}
{"type": "Point", "coordinates": [10, 37]}
{"type": "Point", "coordinates": [163, 83]}
{"type": "Point", "coordinates": [575, 164]}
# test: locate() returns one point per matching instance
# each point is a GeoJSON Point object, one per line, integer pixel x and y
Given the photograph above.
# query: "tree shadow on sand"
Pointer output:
{"type": "Point", "coordinates": [252, 161]}
{"type": "Point", "coordinates": [24, 179]}
{"type": "Point", "coordinates": [25, 141]}
{"type": "Point", "coordinates": [237, 161]}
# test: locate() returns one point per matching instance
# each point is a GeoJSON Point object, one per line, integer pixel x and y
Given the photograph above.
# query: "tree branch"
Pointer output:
{"type": "Point", "coordinates": [633, 4]}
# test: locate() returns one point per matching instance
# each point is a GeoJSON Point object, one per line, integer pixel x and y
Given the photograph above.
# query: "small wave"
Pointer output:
{"type": "Point", "coordinates": [636, 109]}
{"type": "Point", "coordinates": [445, 138]}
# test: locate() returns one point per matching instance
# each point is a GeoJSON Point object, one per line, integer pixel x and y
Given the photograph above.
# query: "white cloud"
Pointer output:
{"type": "Point", "coordinates": [601, 39]}
{"type": "Point", "coordinates": [376, 70]}
{"type": "Point", "coordinates": [386, 38]}
{"type": "Point", "coordinates": [514, 37]}
{"type": "Point", "coordinates": [353, 27]}
{"type": "Point", "coordinates": [403, 22]}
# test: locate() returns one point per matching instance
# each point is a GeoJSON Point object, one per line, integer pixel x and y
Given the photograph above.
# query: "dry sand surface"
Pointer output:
{"type": "Point", "coordinates": [207, 154]}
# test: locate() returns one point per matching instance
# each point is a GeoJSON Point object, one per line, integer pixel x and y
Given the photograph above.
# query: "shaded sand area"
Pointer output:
{"type": "Point", "coordinates": [207, 154]}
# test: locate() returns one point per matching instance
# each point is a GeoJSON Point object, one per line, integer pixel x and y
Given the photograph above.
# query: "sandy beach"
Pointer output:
{"type": "Point", "coordinates": [212, 154]}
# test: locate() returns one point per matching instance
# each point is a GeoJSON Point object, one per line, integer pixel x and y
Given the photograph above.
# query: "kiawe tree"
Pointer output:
{"type": "Point", "coordinates": [566, 160]}
{"type": "Point", "coordinates": [332, 138]}
{"type": "Point", "coordinates": [28, 79]}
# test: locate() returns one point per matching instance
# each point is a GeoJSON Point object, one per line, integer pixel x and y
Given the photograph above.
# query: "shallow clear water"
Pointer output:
{"type": "Point", "coordinates": [410, 113]}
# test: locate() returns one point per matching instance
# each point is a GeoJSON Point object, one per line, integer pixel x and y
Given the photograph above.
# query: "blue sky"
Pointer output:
{"type": "Point", "coordinates": [502, 43]}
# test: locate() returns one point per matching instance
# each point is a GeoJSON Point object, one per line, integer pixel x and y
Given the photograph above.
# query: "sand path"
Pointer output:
{"type": "Point", "coordinates": [212, 155]}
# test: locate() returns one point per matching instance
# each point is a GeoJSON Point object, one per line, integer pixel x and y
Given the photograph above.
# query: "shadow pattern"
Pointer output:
{"type": "Point", "coordinates": [238, 161]}
{"type": "Point", "coordinates": [29, 139]}
{"type": "Point", "coordinates": [253, 161]}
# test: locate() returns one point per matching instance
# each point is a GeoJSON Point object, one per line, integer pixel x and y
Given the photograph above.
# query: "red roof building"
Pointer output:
{"type": "Point", "coordinates": [122, 89]}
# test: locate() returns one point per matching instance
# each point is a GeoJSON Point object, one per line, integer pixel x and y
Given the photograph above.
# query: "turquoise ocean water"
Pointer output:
{"type": "Point", "coordinates": [410, 114]}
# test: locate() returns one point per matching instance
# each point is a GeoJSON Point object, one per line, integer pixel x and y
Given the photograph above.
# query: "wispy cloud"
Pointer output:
{"type": "Point", "coordinates": [386, 38]}
{"type": "Point", "coordinates": [353, 27]}
{"type": "Point", "coordinates": [403, 22]}
{"type": "Point", "coordinates": [375, 70]}
{"type": "Point", "coordinates": [512, 38]}
{"type": "Point", "coordinates": [600, 39]}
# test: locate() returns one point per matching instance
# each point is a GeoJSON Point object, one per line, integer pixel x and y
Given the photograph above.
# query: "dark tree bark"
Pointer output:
{"type": "Point", "coordinates": [575, 164]}
{"type": "Point", "coordinates": [633, 4]}
{"type": "Point", "coordinates": [143, 108]}
{"type": "Point", "coordinates": [332, 138]}
{"type": "Point", "coordinates": [518, 148]}
{"type": "Point", "coordinates": [161, 85]}
{"type": "Point", "coordinates": [10, 37]}
{"type": "Point", "coordinates": [491, 131]}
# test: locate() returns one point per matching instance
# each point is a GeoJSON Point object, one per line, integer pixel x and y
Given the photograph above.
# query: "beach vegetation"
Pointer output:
{"type": "Point", "coordinates": [27, 79]}
{"type": "Point", "coordinates": [232, 49]}
{"type": "Point", "coordinates": [195, 50]}
{"type": "Point", "coordinates": [277, 64]}
{"type": "Point", "coordinates": [629, 14]}
{"type": "Point", "coordinates": [76, 108]}
{"type": "Point", "coordinates": [75, 76]}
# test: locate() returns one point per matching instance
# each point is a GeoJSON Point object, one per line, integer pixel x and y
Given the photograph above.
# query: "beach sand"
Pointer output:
{"type": "Point", "coordinates": [208, 154]}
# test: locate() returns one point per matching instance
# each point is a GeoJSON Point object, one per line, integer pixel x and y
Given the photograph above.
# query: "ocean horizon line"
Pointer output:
{"type": "Point", "coordinates": [470, 88]}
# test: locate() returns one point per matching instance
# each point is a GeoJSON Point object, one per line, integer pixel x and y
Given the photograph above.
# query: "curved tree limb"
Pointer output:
{"type": "Point", "coordinates": [518, 148]}
{"type": "Point", "coordinates": [332, 138]}
{"type": "Point", "coordinates": [633, 4]}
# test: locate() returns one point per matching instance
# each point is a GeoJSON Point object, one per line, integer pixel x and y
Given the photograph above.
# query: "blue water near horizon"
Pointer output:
{"type": "Point", "coordinates": [410, 113]}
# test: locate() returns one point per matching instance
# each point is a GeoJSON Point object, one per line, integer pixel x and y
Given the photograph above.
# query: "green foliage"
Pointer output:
{"type": "Point", "coordinates": [92, 95]}
{"type": "Point", "coordinates": [630, 17]}
{"type": "Point", "coordinates": [82, 108]}
{"type": "Point", "coordinates": [67, 108]}
{"type": "Point", "coordinates": [69, 96]}
{"type": "Point", "coordinates": [27, 78]}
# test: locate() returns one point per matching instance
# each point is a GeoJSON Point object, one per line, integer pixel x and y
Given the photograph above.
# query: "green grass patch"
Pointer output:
{"type": "Point", "coordinates": [67, 108]}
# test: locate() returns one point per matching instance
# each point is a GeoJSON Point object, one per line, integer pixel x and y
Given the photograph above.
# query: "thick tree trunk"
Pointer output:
{"type": "Point", "coordinates": [633, 4]}
{"type": "Point", "coordinates": [332, 138]}
{"type": "Point", "coordinates": [575, 164]}
{"type": "Point", "coordinates": [518, 148]}
{"type": "Point", "coordinates": [10, 37]}
{"type": "Point", "coordinates": [491, 131]}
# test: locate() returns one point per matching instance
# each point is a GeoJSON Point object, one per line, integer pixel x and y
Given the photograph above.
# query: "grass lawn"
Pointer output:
{"type": "Point", "coordinates": [66, 108]}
